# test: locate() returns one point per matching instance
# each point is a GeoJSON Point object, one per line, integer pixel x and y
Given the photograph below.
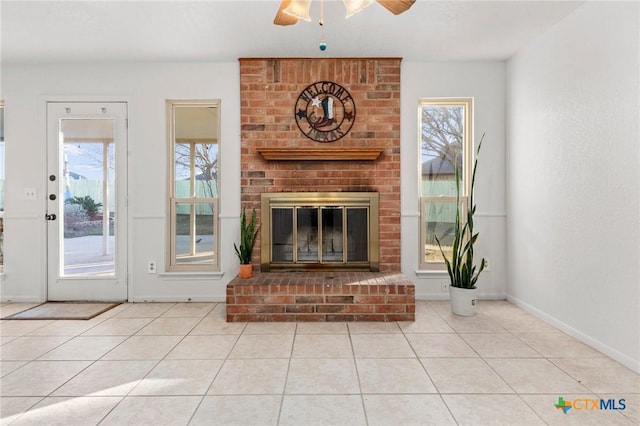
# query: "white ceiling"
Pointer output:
{"type": "Point", "coordinates": [223, 31]}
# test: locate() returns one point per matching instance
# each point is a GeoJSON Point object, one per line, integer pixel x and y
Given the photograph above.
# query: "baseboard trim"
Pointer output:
{"type": "Point", "coordinates": [20, 299]}
{"type": "Point", "coordinates": [445, 296]}
{"type": "Point", "coordinates": [584, 338]}
{"type": "Point", "coordinates": [177, 299]}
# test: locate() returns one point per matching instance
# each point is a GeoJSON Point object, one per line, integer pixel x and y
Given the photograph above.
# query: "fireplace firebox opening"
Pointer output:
{"type": "Point", "coordinates": [307, 231]}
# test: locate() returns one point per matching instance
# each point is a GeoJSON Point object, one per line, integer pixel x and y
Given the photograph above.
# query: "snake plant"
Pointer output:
{"type": "Point", "coordinates": [248, 235]}
{"type": "Point", "coordinates": [463, 273]}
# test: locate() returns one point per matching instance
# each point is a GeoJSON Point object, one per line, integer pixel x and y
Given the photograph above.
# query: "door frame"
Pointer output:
{"type": "Point", "coordinates": [43, 102]}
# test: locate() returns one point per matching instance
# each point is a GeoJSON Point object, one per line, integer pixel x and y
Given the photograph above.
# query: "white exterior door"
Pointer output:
{"type": "Point", "coordinates": [86, 201]}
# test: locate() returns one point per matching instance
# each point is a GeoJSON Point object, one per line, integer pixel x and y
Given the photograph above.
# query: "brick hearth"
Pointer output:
{"type": "Point", "coordinates": [321, 296]}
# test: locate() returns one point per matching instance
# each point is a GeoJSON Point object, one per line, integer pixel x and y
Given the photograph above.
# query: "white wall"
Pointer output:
{"type": "Point", "coordinates": [573, 178]}
{"type": "Point", "coordinates": [485, 83]}
{"type": "Point", "coordinates": [145, 86]}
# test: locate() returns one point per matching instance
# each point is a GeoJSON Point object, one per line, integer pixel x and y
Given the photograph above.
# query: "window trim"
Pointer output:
{"type": "Point", "coordinates": [468, 157]}
{"type": "Point", "coordinates": [171, 265]}
{"type": "Point", "coordinates": [4, 156]}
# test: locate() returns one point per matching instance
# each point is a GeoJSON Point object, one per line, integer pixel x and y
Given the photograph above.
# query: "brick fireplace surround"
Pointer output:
{"type": "Point", "coordinates": [268, 92]}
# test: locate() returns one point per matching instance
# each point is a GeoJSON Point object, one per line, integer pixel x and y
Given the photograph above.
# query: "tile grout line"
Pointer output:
{"type": "Point", "coordinates": [206, 391]}
{"type": "Point", "coordinates": [128, 394]}
{"type": "Point", "coordinates": [515, 392]}
{"type": "Point", "coordinates": [124, 397]}
{"type": "Point", "coordinates": [493, 317]}
{"type": "Point", "coordinates": [286, 376]}
{"type": "Point", "coordinates": [353, 354]}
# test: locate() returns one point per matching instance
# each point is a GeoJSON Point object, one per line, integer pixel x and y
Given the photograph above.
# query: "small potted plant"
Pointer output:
{"type": "Point", "coordinates": [248, 235]}
{"type": "Point", "coordinates": [463, 273]}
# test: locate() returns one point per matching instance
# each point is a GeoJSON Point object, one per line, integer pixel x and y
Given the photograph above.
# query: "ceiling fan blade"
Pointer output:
{"type": "Point", "coordinates": [397, 6]}
{"type": "Point", "coordinates": [281, 17]}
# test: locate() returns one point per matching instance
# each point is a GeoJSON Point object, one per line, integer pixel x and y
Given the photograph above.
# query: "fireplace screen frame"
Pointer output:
{"type": "Point", "coordinates": [319, 200]}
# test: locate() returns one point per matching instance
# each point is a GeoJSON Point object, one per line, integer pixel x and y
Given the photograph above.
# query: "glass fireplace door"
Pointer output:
{"type": "Point", "coordinates": [307, 234]}
{"type": "Point", "coordinates": [316, 235]}
{"type": "Point", "coordinates": [332, 235]}
{"type": "Point", "coordinates": [282, 235]}
{"type": "Point", "coordinates": [319, 231]}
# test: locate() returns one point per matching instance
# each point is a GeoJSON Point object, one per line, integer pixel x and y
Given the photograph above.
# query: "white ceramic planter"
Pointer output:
{"type": "Point", "coordinates": [463, 300]}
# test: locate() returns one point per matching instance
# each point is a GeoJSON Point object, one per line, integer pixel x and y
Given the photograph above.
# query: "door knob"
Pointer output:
{"type": "Point", "coordinates": [51, 216]}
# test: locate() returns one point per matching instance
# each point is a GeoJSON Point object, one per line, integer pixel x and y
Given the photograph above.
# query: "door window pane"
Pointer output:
{"type": "Point", "coordinates": [87, 186]}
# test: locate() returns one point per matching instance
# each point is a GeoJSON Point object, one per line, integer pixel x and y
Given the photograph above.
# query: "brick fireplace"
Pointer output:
{"type": "Point", "coordinates": [277, 157]}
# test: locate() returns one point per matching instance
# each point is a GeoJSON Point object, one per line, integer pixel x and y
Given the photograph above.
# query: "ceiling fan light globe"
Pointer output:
{"type": "Point", "coordinates": [355, 6]}
{"type": "Point", "coordinates": [299, 9]}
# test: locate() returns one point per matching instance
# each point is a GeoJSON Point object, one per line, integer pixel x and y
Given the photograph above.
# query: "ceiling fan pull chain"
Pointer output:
{"type": "Point", "coordinates": [323, 44]}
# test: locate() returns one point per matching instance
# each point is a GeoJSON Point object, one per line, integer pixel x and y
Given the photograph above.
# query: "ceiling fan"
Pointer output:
{"type": "Point", "coordinates": [301, 9]}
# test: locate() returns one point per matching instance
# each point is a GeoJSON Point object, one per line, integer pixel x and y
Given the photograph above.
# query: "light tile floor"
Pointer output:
{"type": "Point", "coordinates": [182, 364]}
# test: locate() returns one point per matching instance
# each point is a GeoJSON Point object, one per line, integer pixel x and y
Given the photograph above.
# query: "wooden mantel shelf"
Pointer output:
{"type": "Point", "coordinates": [323, 154]}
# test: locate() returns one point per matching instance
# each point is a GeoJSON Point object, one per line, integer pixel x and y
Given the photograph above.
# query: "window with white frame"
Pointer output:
{"type": "Point", "coordinates": [194, 147]}
{"type": "Point", "coordinates": [445, 138]}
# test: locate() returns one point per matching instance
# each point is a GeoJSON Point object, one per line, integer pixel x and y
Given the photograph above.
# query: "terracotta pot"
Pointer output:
{"type": "Point", "coordinates": [463, 300]}
{"type": "Point", "coordinates": [246, 271]}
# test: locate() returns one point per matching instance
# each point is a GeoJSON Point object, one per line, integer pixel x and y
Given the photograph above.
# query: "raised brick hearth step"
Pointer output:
{"type": "Point", "coordinates": [321, 296]}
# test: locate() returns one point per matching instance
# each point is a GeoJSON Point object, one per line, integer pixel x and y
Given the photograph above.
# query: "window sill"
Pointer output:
{"type": "Point", "coordinates": [427, 273]}
{"type": "Point", "coordinates": [199, 275]}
